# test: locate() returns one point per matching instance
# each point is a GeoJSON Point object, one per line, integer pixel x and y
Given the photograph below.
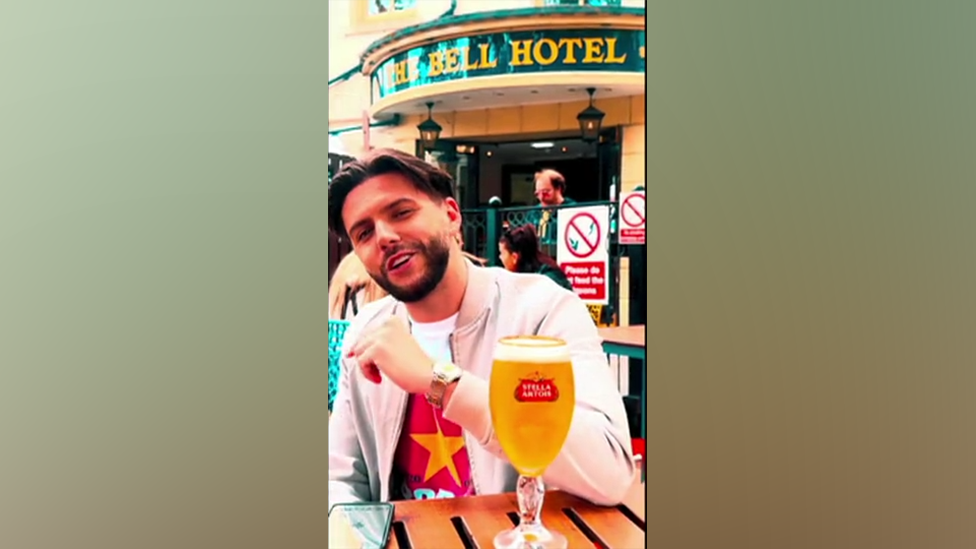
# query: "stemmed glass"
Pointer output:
{"type": "Point", "coordinates": [532, 396]}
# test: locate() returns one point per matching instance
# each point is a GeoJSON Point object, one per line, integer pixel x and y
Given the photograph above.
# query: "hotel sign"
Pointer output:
{"type": "Point", "coordinates": [527, 52]}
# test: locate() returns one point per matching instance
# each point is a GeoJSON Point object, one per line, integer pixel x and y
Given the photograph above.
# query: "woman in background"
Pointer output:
{"type": "Point", "coordinates": [479, 261]}
{"type": "Point", "coordinates": [351, 289]}
{"type": "Point", "coordinates": [519, 252]}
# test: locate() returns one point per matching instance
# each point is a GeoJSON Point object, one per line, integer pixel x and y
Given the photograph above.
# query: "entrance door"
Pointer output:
{"type": "Point", "coordinates": [608, 151]}
{"type": "Point", "coordinates": [608, 176]}
{"type": "Point", "coordinates": [460, 160]}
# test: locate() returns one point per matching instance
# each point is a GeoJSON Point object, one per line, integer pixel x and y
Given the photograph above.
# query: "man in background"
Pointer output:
{"type": "Point", "coordinates": [550, 189]}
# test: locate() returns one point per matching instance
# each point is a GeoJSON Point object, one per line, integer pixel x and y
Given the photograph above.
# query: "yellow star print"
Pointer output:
{"type": "Point", "coordinates": [442, 450]}
{"type": "Point", "coordinates": [642, 51]}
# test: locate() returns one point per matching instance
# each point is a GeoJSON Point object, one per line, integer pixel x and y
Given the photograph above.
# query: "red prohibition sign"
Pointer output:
{"type": "Point", "coordinates": [629, 210]}
{"type": "Point", "coordinates": [588, 247]}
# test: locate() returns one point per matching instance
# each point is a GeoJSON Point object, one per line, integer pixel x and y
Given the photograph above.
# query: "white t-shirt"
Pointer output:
{"type": "Point", "coordinates": [426, 435]}
{"type": "Point", "coordinates": [435, 337]}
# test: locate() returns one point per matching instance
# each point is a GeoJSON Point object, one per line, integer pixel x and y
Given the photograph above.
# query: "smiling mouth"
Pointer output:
{"type": "Point", "coordinates": [398, 261]}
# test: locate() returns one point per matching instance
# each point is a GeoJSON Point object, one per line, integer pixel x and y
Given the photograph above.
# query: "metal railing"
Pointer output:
{"type": "Point", "coordinates": [337, 334]}
{"type": "Point", "coordinates": [482, 228]}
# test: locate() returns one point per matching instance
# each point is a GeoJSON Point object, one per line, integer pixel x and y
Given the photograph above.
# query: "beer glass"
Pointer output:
{"type": "Point", "coordinates": [532, 396]}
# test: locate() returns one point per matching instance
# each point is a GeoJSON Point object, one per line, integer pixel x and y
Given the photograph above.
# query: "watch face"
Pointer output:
{"type": "Point", "coordinates": [448, 370]}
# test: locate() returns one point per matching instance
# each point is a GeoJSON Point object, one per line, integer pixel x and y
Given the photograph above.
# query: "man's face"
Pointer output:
{"type": "Point", "coordinates": [402, 236]}
{"type": "Point", "coordinates": [545, 192]}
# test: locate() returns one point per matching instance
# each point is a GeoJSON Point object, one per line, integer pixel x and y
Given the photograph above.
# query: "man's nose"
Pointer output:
{"type": "Point", "coordinates": [386, 235]}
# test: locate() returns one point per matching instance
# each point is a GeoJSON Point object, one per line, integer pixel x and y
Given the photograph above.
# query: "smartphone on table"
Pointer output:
{"type": "Point", "coordinates": [360, 525]}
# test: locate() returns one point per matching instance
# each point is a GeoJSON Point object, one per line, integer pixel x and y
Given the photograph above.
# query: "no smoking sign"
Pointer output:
{"type": "Point", "coordinates": [632, 214]}
{"type": "Point", "coordinates": [582, 251]}
{"type": "Point", "coordinates": [583, 235]}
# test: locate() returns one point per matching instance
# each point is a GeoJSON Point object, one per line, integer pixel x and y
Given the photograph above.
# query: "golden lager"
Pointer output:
{"type": "Point", "coordinates": [532, 397]}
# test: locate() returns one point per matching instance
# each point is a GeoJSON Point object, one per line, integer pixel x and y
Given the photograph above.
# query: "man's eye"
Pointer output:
{"type": "Point", "coordinates": [402, 213]}
{"type": "Point", "coordinates": [363, 234]}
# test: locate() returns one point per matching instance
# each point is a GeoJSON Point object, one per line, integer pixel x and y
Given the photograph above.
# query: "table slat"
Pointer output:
{"type": "Point", "coordinates": [633, 336]}
{"type": "Point", "coordinates": [429, 524]}
{"type": "Point", "coordinates": [606, 523]}
{"type": "Point", "coordinates": [392, 543]}
{"type": "Point", "coordinates": [553, 518]}
{"type": "Point", "coordinates": [636, 499]}
{"type": "Point", "coordinates": [488, 522]}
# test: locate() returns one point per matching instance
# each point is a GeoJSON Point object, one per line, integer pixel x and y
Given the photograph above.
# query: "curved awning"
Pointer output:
{"type": "Point", "coordinates": [508, 57]}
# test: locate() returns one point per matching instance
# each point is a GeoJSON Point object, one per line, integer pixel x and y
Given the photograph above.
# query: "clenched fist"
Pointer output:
{"type": "Point", "coordinates": [392, 352]}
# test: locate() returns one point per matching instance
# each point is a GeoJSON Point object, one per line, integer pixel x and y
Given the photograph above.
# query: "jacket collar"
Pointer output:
{"type": "Point", "coordinates": [478, 293]}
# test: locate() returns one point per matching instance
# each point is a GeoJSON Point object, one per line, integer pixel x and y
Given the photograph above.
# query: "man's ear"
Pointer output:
{"type": "Point", "coordinates": [453, 212]}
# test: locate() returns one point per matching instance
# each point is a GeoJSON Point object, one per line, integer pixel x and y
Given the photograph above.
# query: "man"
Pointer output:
{"type": "Point", "coordinates": [550, 189]}
{"type": "Point", "coordinates": [411, 419]}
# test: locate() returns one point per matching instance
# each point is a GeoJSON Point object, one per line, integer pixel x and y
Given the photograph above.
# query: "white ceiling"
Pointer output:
{"type": "Point", "coordinates": [336, 146]}
{"type": "Point", "coordinates": [510, 96]}
{"type": "Point", "coordinates": [562, 149]}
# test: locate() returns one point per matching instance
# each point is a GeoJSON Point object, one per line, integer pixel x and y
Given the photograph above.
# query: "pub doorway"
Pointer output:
{"type": "Point", "coordinates": [504, 167]}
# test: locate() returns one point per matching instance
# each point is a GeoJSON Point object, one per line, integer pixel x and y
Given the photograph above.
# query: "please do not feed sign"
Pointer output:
{"type": "Point", "coordinates": [582, 251]}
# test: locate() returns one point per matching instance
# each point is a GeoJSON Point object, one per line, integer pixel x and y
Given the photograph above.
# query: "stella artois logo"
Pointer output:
{"type": "Point", "coordinates": [536, 388]}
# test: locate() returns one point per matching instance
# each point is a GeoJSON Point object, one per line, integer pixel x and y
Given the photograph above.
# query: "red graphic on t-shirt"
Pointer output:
{"type": "Point", "coordinates": [431, 457]}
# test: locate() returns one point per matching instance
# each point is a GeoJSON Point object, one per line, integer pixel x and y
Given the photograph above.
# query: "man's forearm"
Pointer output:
{"type": "Point", "coordinates": [466, 403]}
{"type": "Point", "coordinates": [449, 393]}
{"type": "Point", "coordinates": [594, 463]}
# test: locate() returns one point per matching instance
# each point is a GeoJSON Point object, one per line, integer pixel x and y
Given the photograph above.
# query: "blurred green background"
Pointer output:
{"type": "Point", "coordinates": [812, 253]}
{"type": "Point", "coordinates": [163, 274]}
{"type": "Point", "coordinates": [163, 292]}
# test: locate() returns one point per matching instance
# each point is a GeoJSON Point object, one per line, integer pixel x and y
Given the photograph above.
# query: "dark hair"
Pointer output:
{"type": "Point", "coordinates": [524, 242]}
{"type": "Point", "coordinates": [556, 179]}
{"type": "Point", "coordinates": [430, 180]}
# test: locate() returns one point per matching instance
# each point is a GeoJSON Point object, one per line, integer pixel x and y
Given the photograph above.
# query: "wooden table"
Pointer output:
{"type": "Point", "coordinates": [626, 341]}
{"type": "Point", "coordinates": [473, 522]}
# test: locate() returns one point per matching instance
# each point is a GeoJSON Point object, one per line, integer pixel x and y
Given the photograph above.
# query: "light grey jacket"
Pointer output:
{"type": "Point", "coordinates": [596, 462]}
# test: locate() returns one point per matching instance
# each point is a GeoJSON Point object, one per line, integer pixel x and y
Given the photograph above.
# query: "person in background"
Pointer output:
{"type": "Point", "coordinates": [550, 189]}
{"type": "Point", "coordinates": [479, 261]}
{"type": "Point", "coordinates": [412, 417]}
{"type": "Point", "coordinates": [351, 288]}
{"type": "Point", "coordinates": [519, 252]}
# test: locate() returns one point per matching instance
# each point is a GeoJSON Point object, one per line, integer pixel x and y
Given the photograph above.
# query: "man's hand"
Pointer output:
{"type": "Point", "coordinates": [391, 351]}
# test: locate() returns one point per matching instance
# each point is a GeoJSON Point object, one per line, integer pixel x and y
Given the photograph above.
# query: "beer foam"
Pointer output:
{"type": "Point", "coordinates": [531, 349]}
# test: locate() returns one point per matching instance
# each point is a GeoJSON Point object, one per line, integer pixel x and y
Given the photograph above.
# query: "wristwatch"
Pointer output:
{"type": "Point", "coordinates": [445, 374]}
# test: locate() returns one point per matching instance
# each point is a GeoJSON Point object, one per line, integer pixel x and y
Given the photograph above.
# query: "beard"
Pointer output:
{"type": "Point", "coordinates": [436, 254]}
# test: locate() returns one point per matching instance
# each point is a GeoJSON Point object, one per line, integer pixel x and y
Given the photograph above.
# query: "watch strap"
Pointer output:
{"type": "Point", "coordinates": [443, 376]}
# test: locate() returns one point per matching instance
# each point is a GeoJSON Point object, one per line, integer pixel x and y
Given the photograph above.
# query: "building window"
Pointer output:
{"type": "Point", "coordinates": [581, 2]}
{"type": "Point", "coordinates": [382, 15]}
{"type": "Point", "coordinates": [593, 3]}
{"type": "Point", "coordinates": [379, 7]}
